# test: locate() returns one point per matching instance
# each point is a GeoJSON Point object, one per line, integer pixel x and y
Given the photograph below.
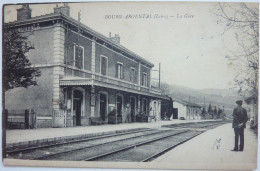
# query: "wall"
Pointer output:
{"type": "Point", "coordinates": [71, 38]}
{"type": "Point", "coordinates": [111, 103]}
{"type": "Point", "coordinates": [113, 58]}
{"type": "Point", "coordinates": [181, 109]}
{"type": "Point", "coordinates": [36, 97]}
{"type": "Point", "coordinates": [193, 113]}
{"type": "Point", "coordinates": [85, 120]}
{"type": "Point", "coordinates": [42, 39]}
{"type": "Point", "coordinates": [147, 71]}
{"type": "Point", "coordinates": [155, 109]}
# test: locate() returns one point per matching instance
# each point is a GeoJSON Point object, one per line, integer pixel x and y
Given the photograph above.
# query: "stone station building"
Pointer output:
{"type": "Point", "coordinates": [87, 78]}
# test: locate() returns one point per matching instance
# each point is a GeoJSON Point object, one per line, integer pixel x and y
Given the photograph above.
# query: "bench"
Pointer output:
{"type": "Point", "coordinates": [152, 118]}
{"type": "Point", "coordinates": [16, 120]}
{"type": "Point", "coordinates": [141, 118]}
{"type": "Point", "coordinates": [25, 119]}
{"type": "Point", "coordinates": [97, 121]}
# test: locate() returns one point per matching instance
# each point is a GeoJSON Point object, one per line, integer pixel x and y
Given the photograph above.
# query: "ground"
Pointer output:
{"type": "Point", "coordinates": [198, 153]}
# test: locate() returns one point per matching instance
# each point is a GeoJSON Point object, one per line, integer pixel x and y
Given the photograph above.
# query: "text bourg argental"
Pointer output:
{"type": "Point", "coordinates": [148, 16]}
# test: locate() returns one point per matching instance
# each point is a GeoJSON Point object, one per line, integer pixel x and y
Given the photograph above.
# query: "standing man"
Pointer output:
{"type": "Point", "coordinates": [239, 123]}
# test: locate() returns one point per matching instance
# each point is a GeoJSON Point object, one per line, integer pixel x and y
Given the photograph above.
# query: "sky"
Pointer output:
{"type": "Point", "coordinates": [186, 39]}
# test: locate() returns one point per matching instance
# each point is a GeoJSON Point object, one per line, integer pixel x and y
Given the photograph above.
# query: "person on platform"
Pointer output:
{"type": "Point", "coordinates": [239, 124]}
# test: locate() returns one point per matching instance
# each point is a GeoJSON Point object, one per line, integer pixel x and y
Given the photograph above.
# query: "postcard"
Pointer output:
{"type": "Point", "coordinates": [131, 85]}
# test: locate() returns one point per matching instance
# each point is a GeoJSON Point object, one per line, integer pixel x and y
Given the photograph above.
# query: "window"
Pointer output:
{"type": "Point", "coordinates": [103, 65]}
{"type": "Point", "coordinates": [144, 79]}
{"type": "Point", "coordinates": [78, 56]}
{"type": "Point", "coordinates": [132, 75]}
{"type": "Point", "coordinates": [119, 70]}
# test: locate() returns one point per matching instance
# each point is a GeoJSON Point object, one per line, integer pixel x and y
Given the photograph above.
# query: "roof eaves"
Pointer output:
{"type": "Point", "coordinates": [46, 17]}
{"type": "Point", "coordinates": [104, 38]}
{"type": "Point", "coordinates": [51, 16]}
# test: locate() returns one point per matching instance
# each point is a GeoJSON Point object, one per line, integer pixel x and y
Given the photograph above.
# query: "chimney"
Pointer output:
{"type": "Point", "coordinates": [65, 9]}
{"type": "Point", "coordinates": [115, 39]}
{"type": "Point", "coordinates": [24, 13]}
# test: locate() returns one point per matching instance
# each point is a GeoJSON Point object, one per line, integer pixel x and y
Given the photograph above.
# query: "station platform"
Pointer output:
{"type": "Point", "coordinates": [198, 153]}
{"type": "Point", "coordinates": [24, 137]}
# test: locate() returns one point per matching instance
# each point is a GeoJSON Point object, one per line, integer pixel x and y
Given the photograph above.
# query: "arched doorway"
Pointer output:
{"type": "Point", "coordinates": [132, 109]}
{"type": "Point", "coordinates": [77, 107]}
{"type": "Point", "coordinates": [103, 106]}
{"type": "Point", "coordinates": [119, 107]}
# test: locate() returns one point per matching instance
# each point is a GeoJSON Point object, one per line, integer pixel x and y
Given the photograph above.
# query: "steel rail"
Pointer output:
{"type": "Point", "coordinates": [91, 146]}
{"type": "Point", "coordinates": [88, 139]}
{"type": "Point", "coordinates": [171, 147]}
{"type": "Point", "coordinates": [82, 148]}
{"type": "Point", "coordinates": [192, 123]}
{"type": "Point", "coordinates": [131, 146]}
{"type": "Point", "coordinates": [135, 145]}
{"type": "Point", "coordinates": [201, 125]}
{"type": "Point", "coordinates": [75, 141]}
{"type": "Point", "coordinates": [168, 149]}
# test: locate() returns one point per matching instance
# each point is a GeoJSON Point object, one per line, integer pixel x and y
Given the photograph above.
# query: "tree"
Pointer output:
{"type": "Point", "coordinates": [219, 112]}
{"type": "Point", "coordinates": [243, 20]}
{"type": "Point", "coordinates": [203, 113]}
{"type": "Point", "coordinates": [210, 111]}
{"type": "Point", "coordinates": [215, 111]}
{"type": "Point", "coordinates": [17, 70]}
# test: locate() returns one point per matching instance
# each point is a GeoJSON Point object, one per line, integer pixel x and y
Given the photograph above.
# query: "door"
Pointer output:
{"type": "Point", "coordinates": [132, 109]}
{"type": "Point", "coordinates": [145, 106]}
{"type": "Point", "coordinates": [77, 106]}
{"type": "Point", "coordinates": [103, 106]}
{"type": "Point", "coordinates": [119, 102]}
{"type": "Point", "coordinates": [175, 113]}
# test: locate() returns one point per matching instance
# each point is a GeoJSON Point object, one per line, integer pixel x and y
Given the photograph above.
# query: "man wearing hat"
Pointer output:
{"type": "Point", "coordinates": [239, 123]}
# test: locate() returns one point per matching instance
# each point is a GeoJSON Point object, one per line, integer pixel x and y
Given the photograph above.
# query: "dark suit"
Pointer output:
{"type": "Point", "coordinates": [239, 123]}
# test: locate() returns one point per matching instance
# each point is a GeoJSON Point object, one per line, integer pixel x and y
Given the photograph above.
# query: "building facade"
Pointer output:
{"type": "Point", "coordinates": [187, 110]}
{"type": "Point", "coordinates": [86, 77]}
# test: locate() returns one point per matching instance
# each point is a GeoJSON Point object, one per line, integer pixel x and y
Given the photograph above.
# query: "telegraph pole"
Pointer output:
{"type": "Point", "coordinates": [159, 78]}
{"type": "Point", "coordinates": [78, 55]}
{"type": "Point", "coordinates": [66, 51]}
{"type": "Point", "coordinates": [78, 26]}
{"type": "Point", "coordinates": [159, 75]}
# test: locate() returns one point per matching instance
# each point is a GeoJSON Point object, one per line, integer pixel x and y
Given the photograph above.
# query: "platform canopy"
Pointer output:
{"type": "Point", "coordinates": [112, 84]}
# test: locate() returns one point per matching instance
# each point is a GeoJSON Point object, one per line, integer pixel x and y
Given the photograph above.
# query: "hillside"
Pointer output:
{"type": "Point", "coordinates": [217, 97]}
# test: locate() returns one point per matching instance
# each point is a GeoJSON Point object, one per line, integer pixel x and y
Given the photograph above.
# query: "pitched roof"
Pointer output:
{"type": "Point", "coordinates": [72, 21]}
{"type": "Point", "coordinates": [189, 104]}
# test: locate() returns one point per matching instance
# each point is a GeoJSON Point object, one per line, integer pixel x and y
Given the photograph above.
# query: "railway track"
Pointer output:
{"type": "Point", "coordinates": [138, 145]}
{"type": "Point", "coordinates": [147, 150]}
{"type": "Point", "coordinates": [207, 124]}
{"type": "Point", "coordinates": [23, 153]}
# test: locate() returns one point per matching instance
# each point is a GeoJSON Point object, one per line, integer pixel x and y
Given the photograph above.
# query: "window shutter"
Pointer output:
{"type": "Point", "coordinates": [76, 55]}
{"type": "Point", "coordinates": [116, 70]}
{"type": "Point", "coordinates": [135, 76]}
{"type": "Point", "coordinates": [123, 72]}
{"type": "Point", "coordinates": [130, 76]}
{"type": "Point", "coordinates": [147, 80]}
{"type": "Point", "coordinates": [80, 57]}
{"type": "Point", "coordinates": [103, 66]}
{"type": "Point", "coordinates": [142, 79]}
